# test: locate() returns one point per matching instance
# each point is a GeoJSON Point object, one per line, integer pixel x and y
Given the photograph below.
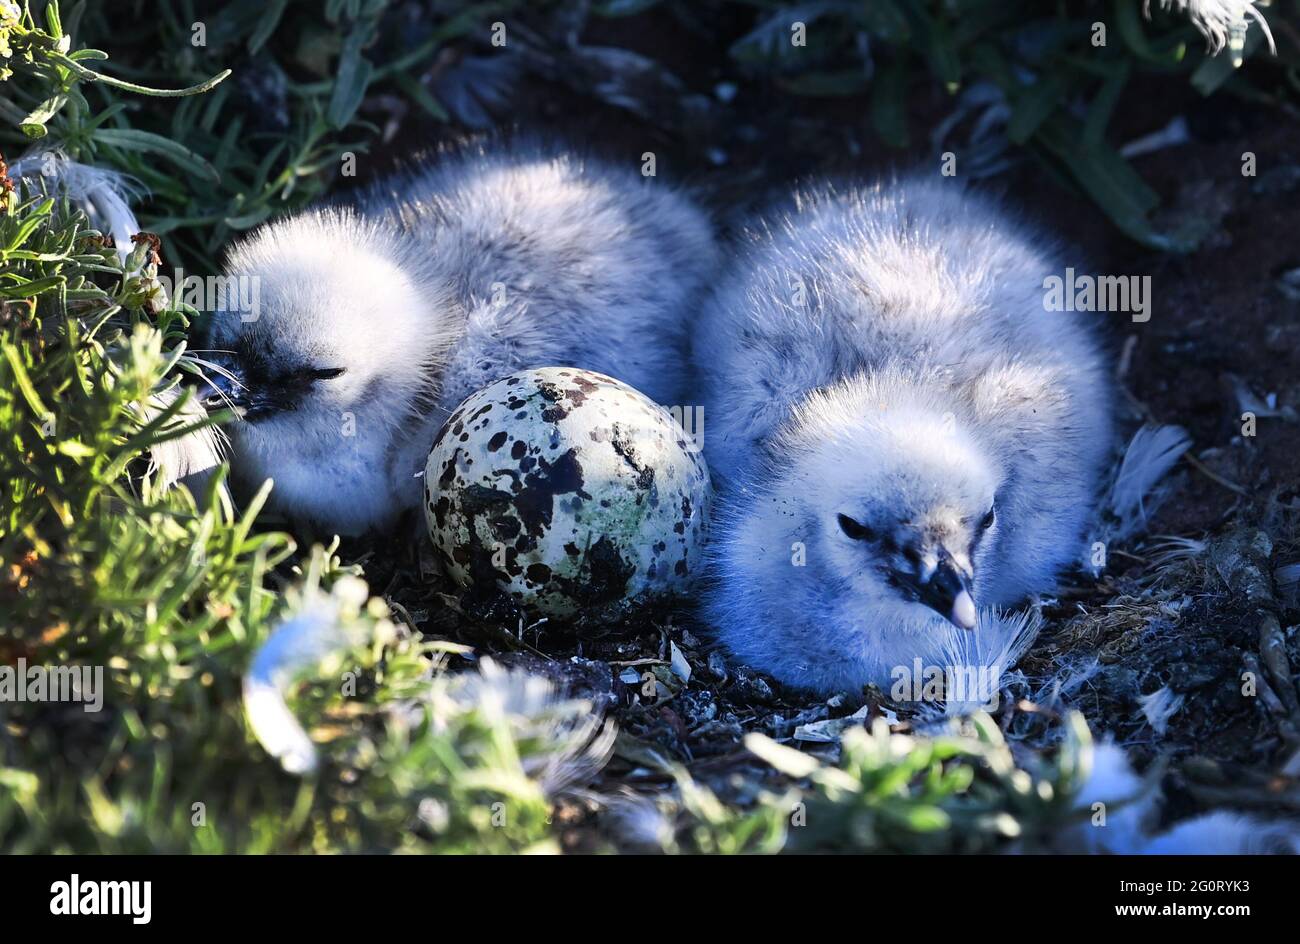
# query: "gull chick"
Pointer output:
{"type": "Point", "coordinates": [373, 321]}
{"type": "Point", "coordinates": [900, 432]}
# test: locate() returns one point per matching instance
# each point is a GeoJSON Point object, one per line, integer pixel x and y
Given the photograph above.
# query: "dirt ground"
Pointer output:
{"type": "Point", "coordinates": [1224, 336]}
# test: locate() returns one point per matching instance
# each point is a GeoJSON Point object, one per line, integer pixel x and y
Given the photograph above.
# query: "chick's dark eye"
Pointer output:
{"type": "Point", "coordinates": [855, 529]}
{"type": "Point", "coordinates": [987, 521]}
{"type": "Point", "coordinates": [325, 373]}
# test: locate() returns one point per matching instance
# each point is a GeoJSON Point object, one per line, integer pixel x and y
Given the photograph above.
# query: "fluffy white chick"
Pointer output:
{"type": "Point", "coordinates": [372, 322]}
{"type": "Point", "coordinates": [900, 433]}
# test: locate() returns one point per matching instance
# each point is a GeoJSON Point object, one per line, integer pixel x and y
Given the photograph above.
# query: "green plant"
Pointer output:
{"type": "Point", "coordinates": [961, 791]}
{"type": "Point", "coordinates": [1059, 70]}
{"type": "Point", "coordinates": [272, 139]}
{"type": "Point", "coordinates": [164, 596]}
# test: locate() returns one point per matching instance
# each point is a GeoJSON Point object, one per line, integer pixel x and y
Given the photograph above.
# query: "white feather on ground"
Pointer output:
{"type": "Point", "coordinates": [1226, 833]}
{"type": "Point", "coordinates": [638, 821]}
{"type": "Point", "coordinates": [301, 642]}
{"type": "Point", "coordinates": [578, 740]}
{"type": "Point", "coordinates": [1169, 549]}
{"type": "Point", "coordinates": [103, 195]}
{"type": "Point", "coordinates": [994, 646]}
{"type": "Point", "coordinates": [569, 739]}
{"type": "Point", "coordinates": [1131, 808]}
{"type": "Point", "coordinates": [1151, 453]}
{"type": "Point", "coordinates": [1159, 706]}
{"type": "Point", "coordinates": [1056, 691]}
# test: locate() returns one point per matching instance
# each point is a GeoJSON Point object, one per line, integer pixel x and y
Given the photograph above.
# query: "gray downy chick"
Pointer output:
{"type": "Point", "coordinates": [374, 321]}
{"type": "Point", "coordinates": [900, 433]}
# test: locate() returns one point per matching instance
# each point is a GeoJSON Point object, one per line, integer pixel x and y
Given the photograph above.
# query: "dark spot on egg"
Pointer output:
{"type": "Point", "coordinates": [535, 502]}
{"type": "Point", "coordinates": [449, 470]}
{"type": "Point", "coordinates": [506, 527]}
{"type": "Point", "coordinates": [497, 441]}
{"type": "Point", "coordinates": [603, 578]}
{"type": "Point", "coordinates": [623, 444]}
{"type": "Point", "coordinates": [475, 499]}
{"type": "Point", "coordinates": [512, 562]}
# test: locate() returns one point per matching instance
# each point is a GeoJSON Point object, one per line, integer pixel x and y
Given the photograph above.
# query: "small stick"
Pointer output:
{"type": "Point", "coordinates": [1200, 466]}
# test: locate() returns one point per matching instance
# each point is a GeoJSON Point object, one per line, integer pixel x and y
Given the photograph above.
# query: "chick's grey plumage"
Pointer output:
{"type": "Point", "coordinates": [375, 321]}
{"type": "Point", "coordinates": [898, 429]}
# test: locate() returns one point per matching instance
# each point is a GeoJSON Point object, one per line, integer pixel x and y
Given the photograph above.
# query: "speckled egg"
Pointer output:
{"type": "Point", "coordinates": [567, 490]}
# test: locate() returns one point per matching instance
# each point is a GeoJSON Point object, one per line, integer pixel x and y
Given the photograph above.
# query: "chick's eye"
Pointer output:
{"type": "Point", "coordinates": [325, 373]}
{"type": "Point", "coordinates": [987, 521]}
{"type": "Point", "coordinates": [855, 529]}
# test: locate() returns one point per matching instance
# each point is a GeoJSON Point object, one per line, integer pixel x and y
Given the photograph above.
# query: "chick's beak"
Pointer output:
{"type": "Point", "coordinates": [947, 591]}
